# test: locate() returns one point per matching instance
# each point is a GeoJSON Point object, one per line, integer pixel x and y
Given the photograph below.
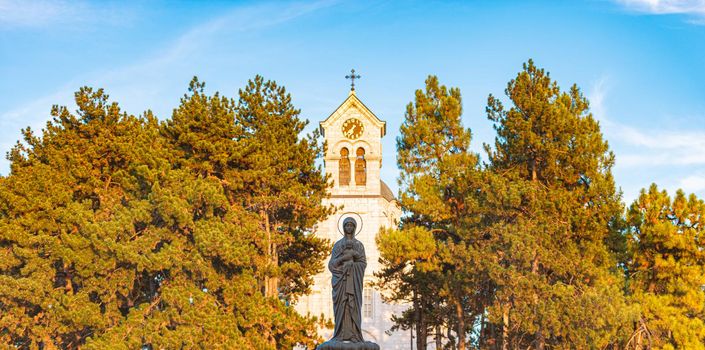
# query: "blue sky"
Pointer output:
{"type": "Point", "coordinates": [640, 62]}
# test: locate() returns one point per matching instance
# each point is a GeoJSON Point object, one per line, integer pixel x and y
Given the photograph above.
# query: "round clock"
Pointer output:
{"type": "Point", "coordinates": [352, 128]}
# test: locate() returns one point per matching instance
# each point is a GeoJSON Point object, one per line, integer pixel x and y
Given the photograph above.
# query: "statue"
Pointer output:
{"type": "Point", "coordinates": [347, 264]}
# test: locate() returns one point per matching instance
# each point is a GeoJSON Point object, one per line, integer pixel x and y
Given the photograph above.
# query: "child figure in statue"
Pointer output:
{"type": "Point", "coordinates": [347, 264]}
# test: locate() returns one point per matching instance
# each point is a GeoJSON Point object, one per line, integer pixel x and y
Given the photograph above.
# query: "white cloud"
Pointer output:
{"type": "Point", "coordinates": [32, 13]}
{"type": "Point", "coordinates": [650, 158]}
{"type": "Point", "coordinates": [695, 9]}
{"type": "Point", "coordinates": [596, 96]}
{"type": "Point", "coordinates": [662, 7]}
{"type": "Point", "coordinates": [692, 183]}
{"type": "Point", "coordinates": [657, 147]}
{"type": "Point", "coordinates": [44, 13]}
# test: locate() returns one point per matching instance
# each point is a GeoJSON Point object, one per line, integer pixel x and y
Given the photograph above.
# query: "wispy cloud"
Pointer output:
{"type": "Point", "coordinates": [33, 115]}
{"type": "Point", "coordinates": [692, 183]}
{"type": "Point", "coordinates": [45, 13]}
{"type": "Point", "coordinates": [597, 99]}
{"type": "Point", "coordinates": [141, 84]}
{"type": "Point", "coordinates": [694, 9]}
{"type": "Point", "coordinates": [658, 147]}
{"type": "Point", "coordinates": [672, 156]}
{"type": "Point", "coordinates": [682, 147]}
{"type": "Point", "coordinates": [240, 20]}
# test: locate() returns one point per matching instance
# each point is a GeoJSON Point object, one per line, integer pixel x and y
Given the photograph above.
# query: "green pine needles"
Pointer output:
{"type": "Point", "coordinates": [124, 232]}
{"type": "Point", "coordinates": [532, 249]}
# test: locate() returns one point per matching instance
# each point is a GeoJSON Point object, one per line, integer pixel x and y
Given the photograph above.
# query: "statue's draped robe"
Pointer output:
{"type": "Point", "coordinates": [347, 291]}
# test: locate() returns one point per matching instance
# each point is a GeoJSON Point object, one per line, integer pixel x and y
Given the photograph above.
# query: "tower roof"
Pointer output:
{"type": "Point", "coordinates": [386, 192]}
{"type": "Point", "coordinates": [353, 102]}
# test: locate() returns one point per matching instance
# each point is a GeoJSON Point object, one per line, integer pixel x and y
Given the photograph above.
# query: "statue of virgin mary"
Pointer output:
{"type": "Point", "coordinates": [347, 264]}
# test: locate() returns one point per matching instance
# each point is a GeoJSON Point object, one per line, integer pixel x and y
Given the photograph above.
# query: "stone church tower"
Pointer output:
{"type": "Point", "coordinates": [353, 159]}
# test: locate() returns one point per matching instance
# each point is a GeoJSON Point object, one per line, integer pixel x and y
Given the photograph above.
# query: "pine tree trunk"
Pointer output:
{"type": "Point", "coordinates": [263, 215]}
{"type": "Point", "coordinates": [539, 341]}
{"type": "Point", "coordinates": [421, 332]}
{"type": "Point", "coordinates": [505, 328]}
{"type": "Point", "coordinates": [421, 337]}
{"type": "Point", "coordinates": [439, 338]}
{"type": "Point", "coordinates": [270, 283]}
{"type": "Point", "coordinates": [481, 337]}
{"type": "Point", "coordinates": [450, 338]}
{"type": "Point", "coordinates": [411, 342]}
{"type": "Point", "coordinates": [68, 277]}
{"type": "Point", "coordinates": [274, 281]}
{"type": "Point", "coordinates": [461, 324]}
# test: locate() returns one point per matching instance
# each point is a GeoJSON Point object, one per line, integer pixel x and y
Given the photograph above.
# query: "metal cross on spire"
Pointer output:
{"type": "Point", "coordinates": [352, 78]}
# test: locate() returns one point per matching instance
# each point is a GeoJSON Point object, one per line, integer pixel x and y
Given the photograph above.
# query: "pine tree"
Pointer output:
{"type": "Point", "coordinates": [120, 232]}
{"type": "Point", "coordinates": [666, 269]}
{"type": "Point", "coordinates": [282, 185]}
{"type": "Point", "coordinates": [408, 275]}
{"type": "Point", "coordinates": [554, 208]}
{"type": "Point", "coordinates": [258, 157]}
{"type": "Point", "coordinates": [439, 179]}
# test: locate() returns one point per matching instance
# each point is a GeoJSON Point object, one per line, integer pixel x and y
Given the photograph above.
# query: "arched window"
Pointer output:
{"type": "Point", "coordinates": [360, 168]}
{"type": "Point", "coordinates": [344, 168]}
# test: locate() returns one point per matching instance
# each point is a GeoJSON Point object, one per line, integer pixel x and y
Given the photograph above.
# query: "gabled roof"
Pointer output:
{"type": "Point", "coordinates": [353, 102]}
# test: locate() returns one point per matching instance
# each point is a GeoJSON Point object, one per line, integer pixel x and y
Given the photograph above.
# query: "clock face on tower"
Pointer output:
{"type": "Point", "coordinates": [352, 128]}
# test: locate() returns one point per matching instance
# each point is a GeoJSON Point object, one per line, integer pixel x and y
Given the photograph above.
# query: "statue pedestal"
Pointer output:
{"type": "Point", "coordinates": [345, 345]}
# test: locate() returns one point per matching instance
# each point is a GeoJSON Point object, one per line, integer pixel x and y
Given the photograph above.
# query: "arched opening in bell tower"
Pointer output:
{"type": "Point", "coordinates": [344, 167]}
{"type": "Point", "coordinates": [360, 168]}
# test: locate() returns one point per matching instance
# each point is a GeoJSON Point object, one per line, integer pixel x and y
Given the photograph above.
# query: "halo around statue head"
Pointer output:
{"type": "Point", "coordinates": [354, 216]}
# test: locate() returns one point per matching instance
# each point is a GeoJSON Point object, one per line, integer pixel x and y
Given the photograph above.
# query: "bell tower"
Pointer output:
{"type": "Point", "coordinates": [354, 154]}
{"type": "Point", "coordinates": [353, 160]}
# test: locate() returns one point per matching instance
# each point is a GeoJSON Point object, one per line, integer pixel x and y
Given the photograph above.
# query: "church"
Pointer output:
{"type": "Point", "coordinates": [353, 160]}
